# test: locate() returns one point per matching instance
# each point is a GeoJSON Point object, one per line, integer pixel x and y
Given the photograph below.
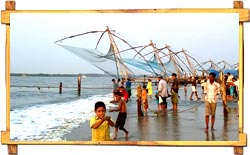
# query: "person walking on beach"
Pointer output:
{"type": "Point", "coordinates": [122, 115]}
{"type": "Point", "coordinates": [115, 84]}
{"type": "Point", "coordinates": [203, 82]}
{"type": "Point", "coordinates": [185, 90]}
{"type": "Point", "coordinates": [163, 93]}
{"type": "Point", "coordinates": [174, 91]}
{"type": "Point", "coordinates": [150, 88]}
{"type": "Point", "coordinates": [115, 87]}
{"type": "Point", "coordinates": [194, 88]}
{"type": "Point", "coordinates": [100, 124]}
{"type": "Point", "coordinates": [211, 91]}
{"type": "Point", "coordinates": [128, 85]}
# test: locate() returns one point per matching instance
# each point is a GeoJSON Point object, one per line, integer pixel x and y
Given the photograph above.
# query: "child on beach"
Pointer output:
{"type": "Point", "coordinates": [144, 99]}
{"type": "Point", "coordinates": [122, 115]}
{"type": "Point", "coordinates": [100, 124]}
{"type": "Point", "coordinates": [149, 88]}
{"type": "Point", "coordinates": [138, 100]}
{"type": "Point", "coordinates": [124, 93]}
{"type": "Point", "coordinates": [157, 99]}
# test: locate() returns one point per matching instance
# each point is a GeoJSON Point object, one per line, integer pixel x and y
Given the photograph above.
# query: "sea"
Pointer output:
{"type": "Point", "coordinates": [39, 112]}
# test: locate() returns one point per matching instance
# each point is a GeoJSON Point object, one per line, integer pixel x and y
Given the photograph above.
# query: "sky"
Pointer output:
{"type": "Point", "coordinates": [93, 4]}
{"type": "Point", "coordinates": [204, 37]}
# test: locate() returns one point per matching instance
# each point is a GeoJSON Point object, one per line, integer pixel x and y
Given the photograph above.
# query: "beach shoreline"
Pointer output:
{"type": "Point", "coordinates": [187, 124]}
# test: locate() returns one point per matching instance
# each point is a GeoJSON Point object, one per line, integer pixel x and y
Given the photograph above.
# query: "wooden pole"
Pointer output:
{"type": "Point", "coordinates": [12, 149]}
{"type": "Point", "coordinates": [79, 85]}
{"type": "Point", "coordinates": [238, 150]}
{"type": "Point", "coordinates": [239, 5]}
{"type": "Point", "coordinates": [9, 5]}
{"type": "Point", "coordinates": [60, 88]}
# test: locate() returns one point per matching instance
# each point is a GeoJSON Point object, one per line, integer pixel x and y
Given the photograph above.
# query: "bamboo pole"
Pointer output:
{"type": "Point", "coordinates": [239, 5]}
{"type": "Point", "coordinates": [160, 63]}
{"type": "Point", "coordinates": [121, 67]}
{"type": "Point", "coordinates": [60, 88]}
{"type": "Point", "coordinates": [12, 148]}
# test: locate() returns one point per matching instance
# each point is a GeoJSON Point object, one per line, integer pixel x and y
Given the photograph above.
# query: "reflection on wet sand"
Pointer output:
{"type": "Point", "coordinates": [210, 137]}
{"type": "Point", "coordinates": [187, 125]}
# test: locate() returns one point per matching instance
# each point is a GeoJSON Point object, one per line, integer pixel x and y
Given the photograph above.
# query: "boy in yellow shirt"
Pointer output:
{"type": "Point", "coordinates": [100, 124]}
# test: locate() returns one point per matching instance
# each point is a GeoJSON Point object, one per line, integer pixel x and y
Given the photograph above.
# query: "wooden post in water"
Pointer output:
{"type": "Point", "coordinates": [79, 84]}
{"type": "Point", "coordinates": [60, 88]}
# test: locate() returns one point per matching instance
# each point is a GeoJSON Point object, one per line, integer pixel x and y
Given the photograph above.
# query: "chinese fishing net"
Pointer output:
{"type": "Point", "coordinates": [116, 57]}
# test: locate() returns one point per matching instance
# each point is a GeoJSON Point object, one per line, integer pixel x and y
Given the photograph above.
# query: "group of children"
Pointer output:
{"type": "Point", "coordinates": [100, 124]}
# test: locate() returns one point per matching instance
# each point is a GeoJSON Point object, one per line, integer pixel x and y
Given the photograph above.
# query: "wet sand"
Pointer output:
{"type": "Point", "coordinates": [186, 124]}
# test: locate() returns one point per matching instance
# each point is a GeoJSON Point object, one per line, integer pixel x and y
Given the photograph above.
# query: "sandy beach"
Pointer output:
{"type": "Point", "coordinates": [186, 124]}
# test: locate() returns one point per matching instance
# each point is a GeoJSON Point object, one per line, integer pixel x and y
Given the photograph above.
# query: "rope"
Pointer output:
{"type": "Point", "coordinates": [156, 112]}
{"type": "Point", "coordinates": [189, 108]}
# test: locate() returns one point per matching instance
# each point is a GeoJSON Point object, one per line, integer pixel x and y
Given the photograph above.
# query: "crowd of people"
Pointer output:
{"type": "Point", "coordinates": [211, 90]}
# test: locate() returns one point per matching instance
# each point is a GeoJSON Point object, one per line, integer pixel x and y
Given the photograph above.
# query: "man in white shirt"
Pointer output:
{"type": "Point", "coordinates": [163, 93]}
{"type": "Point", "coordinates": [211, 91]}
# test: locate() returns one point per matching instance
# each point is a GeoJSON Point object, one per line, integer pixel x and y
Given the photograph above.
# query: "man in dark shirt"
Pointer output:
{"type": "Point", "coordinates": [174, 91]}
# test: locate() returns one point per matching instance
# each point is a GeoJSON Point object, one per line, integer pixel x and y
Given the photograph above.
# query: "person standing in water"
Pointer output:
{"type": "Point", "coordinates": [174, 91]}
{"type": "Point", "coordinates": [211, 91]}
{"type": "Point", "coordinates": [194, 88]}
{"type": "Point", "coordinates": [128, 86]}
{"type": "Point", "coordinates": [163, 93]}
